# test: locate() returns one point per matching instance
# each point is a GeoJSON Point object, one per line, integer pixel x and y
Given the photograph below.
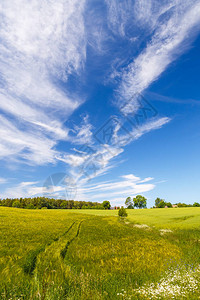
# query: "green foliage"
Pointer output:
{"type": "Point", "coordinates": [16, 203]}
{"type": "Point", "coordinates": [196, 204]}
{"type": "Point", "coordinates": [140, 201]}
{"type": "Point", "coordinates": [47, 203]}
{"type": "Point", "coordinates": [184, 205]}
{"type": "Point", "coordinates": [168, 204]}
{"type": "Point", "coordinates": [122, 212]}
{"type": "Point", "coordinates": [157, 201]}
{"type": "Point", "coordinates": [129, 203]}
{"type": "Point", "coordinates": [30, 206]}
{"type": "Point", "coordinates": [161, 204]}
{"type": "Point", "coordinates": [106, 205]}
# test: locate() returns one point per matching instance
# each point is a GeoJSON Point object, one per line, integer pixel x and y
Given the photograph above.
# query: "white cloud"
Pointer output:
{"type": "Point", "coordinates": [115, 191]}
{"type": "Point", "coordinates": [23, 189]}
{"type": "Point", "coordinates": [96, 160]}
{"type": "Point", "coordinates": [129, 185]}
{"type": "Point", "coordinates": [42, 43]}
{"type": "Point", "coordinates": [131, 177]}
{"type": "Point", "coordinates": [170, 39]}
{"type": "Point", "coordinates": [134, 133]}
{"type": "Point", "coordinates": [31, 147]}
{"type": "Point", "coordinates": [147, 179]}
{"type": "Point", "coordinates": [2, 180]}
{"type": "Point", "coordinates": [136, 19]}
{"type": "Point", "coordinates": [82, 134]}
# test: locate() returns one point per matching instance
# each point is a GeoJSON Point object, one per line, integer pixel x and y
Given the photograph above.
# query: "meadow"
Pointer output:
{"type": "Point", "coordinates": [94, 254]}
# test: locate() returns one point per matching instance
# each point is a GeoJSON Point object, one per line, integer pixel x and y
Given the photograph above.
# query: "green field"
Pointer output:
{"type": "Point", "coordinates": [93, 254]}
{"type": "Point", "coordinates": [176, 218]}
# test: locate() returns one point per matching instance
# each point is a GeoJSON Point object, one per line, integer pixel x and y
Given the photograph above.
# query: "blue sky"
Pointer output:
{"type": "Point", "coordinates": [100, 100]}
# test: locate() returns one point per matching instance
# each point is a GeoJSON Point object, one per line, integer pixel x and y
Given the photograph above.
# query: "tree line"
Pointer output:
{"type": "Point", "coordinates": [43, 202]}
{"type": "Point", "coordinates": [161, 203]}
{"type": "Point", "coordinates": [141, 202]}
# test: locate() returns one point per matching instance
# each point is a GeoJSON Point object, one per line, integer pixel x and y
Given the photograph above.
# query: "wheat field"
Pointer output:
{"type": "Point", "coordinates": [92, 254]}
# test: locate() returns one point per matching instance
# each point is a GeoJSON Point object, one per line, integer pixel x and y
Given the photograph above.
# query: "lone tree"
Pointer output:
{"type": "Point", "coordinates": [140, 201]}
{"type": "Point", "coordinates": [106, 205]}
{"type": "Point", "coordinates": [122, 212]}
{"type": "Point", "coordinates": [129, 203]}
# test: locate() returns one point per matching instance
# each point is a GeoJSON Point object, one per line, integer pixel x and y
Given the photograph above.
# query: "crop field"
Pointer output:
{"type": "Point", "coordinates": [176, 218]}
{"type": "Point", "coordinates": [94, 254]}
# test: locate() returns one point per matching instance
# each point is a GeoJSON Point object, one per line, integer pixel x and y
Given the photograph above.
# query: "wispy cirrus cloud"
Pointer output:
{"type": "Point", "coordinates": [42, 44]}
{"type": "Point", "coordinates": [127, 185]}
{"type": "Point", "coordinates": [23, 189]}
{"type": "Point", "coordinates": [96, 159]}
{"type": "Point", "coordinates": [110, 190]}
{"type": "Point", "coordinates": [176, 28]}
{"type": "Point", "coordinates": [82, 134]}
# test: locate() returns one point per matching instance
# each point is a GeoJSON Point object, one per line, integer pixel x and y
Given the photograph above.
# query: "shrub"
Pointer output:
{"type": "Point", "coordinates": [122, 212]}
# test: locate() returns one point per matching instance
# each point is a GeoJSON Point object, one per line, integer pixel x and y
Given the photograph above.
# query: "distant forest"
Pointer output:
{"type": "Point", "coordinates": [47, 203]}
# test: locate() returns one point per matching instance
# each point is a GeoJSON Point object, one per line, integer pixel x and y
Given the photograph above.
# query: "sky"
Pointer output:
{"type": "Point", "coordinates": [99, 100]}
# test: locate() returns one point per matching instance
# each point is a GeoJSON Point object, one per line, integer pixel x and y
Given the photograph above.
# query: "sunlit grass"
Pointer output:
{"type": "Point", "coordinates": [90, 254]}
{"type": "Point", "coordinates": [180, 218]}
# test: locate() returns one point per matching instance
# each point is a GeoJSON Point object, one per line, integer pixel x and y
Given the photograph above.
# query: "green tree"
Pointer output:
{"type": "Point", "coordinates": [122, 212]}
{"type": "Point", "coordinates": [161, 204]}
{"type": "Point", "coordinates": [140, 201]}
{"type": "Point", "coordinates": [168, 204]}
{"type": "Point", "coordinates": [129, 203]}
{"type": "Point", "coordinates": [16, 203]}
{"type": "Point", "coordinates": [196, 204]}
{"type": "Point", "coordinates": [30, 206]}
{"type": "Point", "coordinates": [106, 204]}
{"type": "Point", "coordinates": [157, 201]}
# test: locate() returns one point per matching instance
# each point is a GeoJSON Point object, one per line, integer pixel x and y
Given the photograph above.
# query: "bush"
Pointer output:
{"type": "Point", "coordinates": [122, 212]}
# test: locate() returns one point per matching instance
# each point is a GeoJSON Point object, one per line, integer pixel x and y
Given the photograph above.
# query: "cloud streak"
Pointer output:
{"type": "Point", "coordinates": [173, 34]}
{"type": "Point", "coordinates": [106, 190]}
{"type": "Point", "coordinates": [42, 44]}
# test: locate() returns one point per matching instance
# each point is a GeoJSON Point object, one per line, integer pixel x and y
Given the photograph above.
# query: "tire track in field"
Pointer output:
{"type": "Point", "coordinates": [70, 227]}
{"type": "Point", "coordinates": [63, 252]}
{"type": "Point", "coordinates": [31, 259]}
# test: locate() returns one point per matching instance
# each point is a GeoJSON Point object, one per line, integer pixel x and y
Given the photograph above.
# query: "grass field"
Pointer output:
{"type": "Point", "coordinates": [92, 254]}
{"type": "Point", "coordinates": [180, 218]}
